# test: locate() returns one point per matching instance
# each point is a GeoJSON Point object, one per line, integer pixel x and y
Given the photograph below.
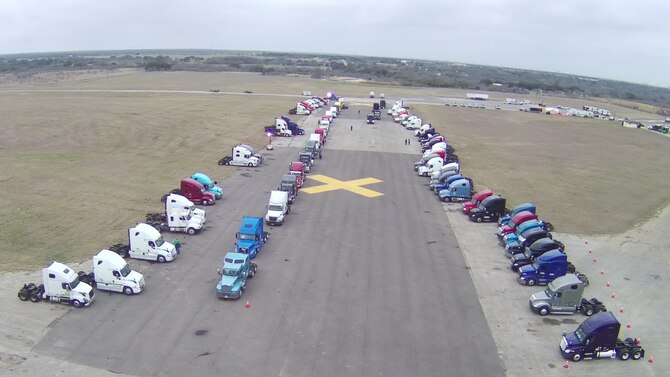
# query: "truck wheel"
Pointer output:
{"type": "Point", "coordinates": [588, 311]}
{"type": "Point", "coordinates": [35, 297]}
{"type": "Point", "coordinates": [550, 228]}
{"type": "Point", "coordinates": [624, 355]}
{"type": "Point", "coordinates": [127, 291]}
{"type": "Point", "coordinates": [531, 282]}
{"type": "Point", "coordinates": [205, 202]}
{"type": "Point", "coordinates": [250, 165]}
{"type": "Point", "coordinates": [543, 311]}
{"type": "Point", "coordinates": [479, 219]}
{"type": "Point", "coordinates": [123, 253]}
{"type": "Point", "coordinates": [637, 355]}
{"type": "Point", "coordinates": [190, 231]}
{"type": "Point", "coordinates": [76, 303]}
{"type": "Point", "coordinates": [160, 259]}
{"type": "Point", "coordinates": [23, 295]}
{"type": "Point", "coordinates": [576, 357]}
{"type": "Point", "coordinates": [226, 162]}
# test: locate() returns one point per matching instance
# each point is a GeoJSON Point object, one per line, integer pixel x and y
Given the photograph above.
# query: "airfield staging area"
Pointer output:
{"type": "Point", "coordinates": [373, 276]}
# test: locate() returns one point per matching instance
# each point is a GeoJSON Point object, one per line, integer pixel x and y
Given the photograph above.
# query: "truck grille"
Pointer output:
{"type": "Point", "coordinates": [273, 219]}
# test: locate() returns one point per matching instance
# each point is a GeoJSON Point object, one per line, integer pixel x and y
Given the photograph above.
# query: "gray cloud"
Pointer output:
{"type": "Point", "coordinates": [622, 40]}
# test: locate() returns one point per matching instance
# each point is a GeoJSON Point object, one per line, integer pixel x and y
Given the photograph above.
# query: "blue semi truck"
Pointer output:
{"type": "Point", "coordinates": [251, 237]}
{"type": "Point", "coordinates": [234, 272]}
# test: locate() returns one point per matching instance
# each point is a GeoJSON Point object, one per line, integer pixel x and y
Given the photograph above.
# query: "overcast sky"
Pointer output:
{"type": "Point", "coordinates": [624, 40]}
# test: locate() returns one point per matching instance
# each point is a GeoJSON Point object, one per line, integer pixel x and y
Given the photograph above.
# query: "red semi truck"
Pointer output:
{"type": "Point", "coordinates": [193, 191]}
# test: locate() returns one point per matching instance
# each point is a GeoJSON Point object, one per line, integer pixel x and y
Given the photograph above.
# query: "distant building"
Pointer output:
{"type": "Point", "coordinates": [477, 96]}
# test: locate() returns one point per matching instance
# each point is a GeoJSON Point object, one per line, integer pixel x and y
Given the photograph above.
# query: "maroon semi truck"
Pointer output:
{"type": "Point", "coordinates": [193, 191]}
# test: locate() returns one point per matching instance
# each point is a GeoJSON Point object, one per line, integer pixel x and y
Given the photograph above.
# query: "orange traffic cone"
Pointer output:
{"type": "Point", "coordinates": [247, 304]}
{"type": "Point", "coordinates": [629, 325]}
{"type": "Point", "coordinates": [651, 359]}
{"type": "Point", "coordinates": [602, 272]}
{"type": "Point", "coordinates": [595, 260]}
{"type": "Point", "coordinates": [590, 251]}
{"type": "Point", "coordinates": [586, 242]}
{"type": "Point", "coordinates": [613, 294]}
{"type": "Point", "coordinates": [567, 365]}
{"type": "Point", "coordinates": [621, 309]}
{"type": "Point", "coordinates": [608, 284]}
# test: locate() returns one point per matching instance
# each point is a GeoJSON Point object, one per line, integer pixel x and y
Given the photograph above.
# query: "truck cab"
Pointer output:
{"type": "Point", "coordinates": [370, 119]}
{"type": "Point", "coordinates": [530, 207]}
{"type": "Point", "coordinates": [61, 284]}
{"type": "Point", "coordinates": [278, 208]}
{"type": "Point", "coordinates": [526, 238]}
{"type": "Point", "coordinates": [147, 243]}
{"type": "Point", "coordinates": [293, 126]}
{"type": "Point", "coordinates": [196, 192]}
{"type": "Point", "coordinates": [289, 184]}
{"type": "Point", "coordinates": [547, 267]}
{"type": "Point", "coordinates": [234, 271]}
{"type": "Point", "coordinates": [307, 160]}
{"type": "Point", "coordinates": [514, 236]}
{"type": "Point", "coordinates": [564, 296]}
{"type": "Point", "coordinates": [251, 237]}
{"type": "Point", "coordinates": [297, 168]}
{"type": "Point", "coordinates": [242, 155]}
{"type": "Point", "coordinates": [536, 249]}
{"type": "Point", "coordinates": [517, 220]}
{"type": "Point", "coordinates": [112, 273]}
{"type": "Point", "coordinates": [181, 215]}
{"type": "Point", "coordinates": [598, 338]}
{"type": "Point", "coordinates": [208, 184]}
{"type": "Point", "coordinates": [490, 209]}
{"type": "Point", "coordinates": [427, 156]}
{"type": "Point", "coordinates": [458, 190]}
{"type": "Point", "coordinates": [301, 109]}
{"type": "Point", "coordinates": [323, 133]}
{"type": "Point", "coordinates": [440, 183]}
{"type": "Point", "coordinates": [312, 147]}
{"type": "Point", "coordinates": [433, 165]}
{"type": "Point", "coordinates": [476, 199]}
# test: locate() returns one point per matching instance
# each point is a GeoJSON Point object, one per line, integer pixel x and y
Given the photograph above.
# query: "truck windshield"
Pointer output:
{"type": "Point", "coordinates": [125, 270]}
{"type": "Point", "coordinates": [580, 334]}
{"type": "Point", "coordinates": [536, 265]}
{"type": "Point", "coordinates": [231, 271]}
{"type": "Point", "coordinates": [159, 241]}
{"type": "Point", "coordinates": [286, 187]}
{"type": "Point", "coordinates": [275, 207]}
{"type": "Point", "coordinates": [527, 253]}
{"type": "Point", "coordinates": [74, 283]}
{"type": "Point", "coordinates": [247, 236]}
{"type": "Point", "coordinates": [549, 292]}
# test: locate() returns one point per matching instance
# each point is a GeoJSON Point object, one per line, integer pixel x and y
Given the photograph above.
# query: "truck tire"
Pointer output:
{"type": "Point", "coordinates": [190, 231]}
{"type": "Point", "coordinates": [479, 219]}
{"type": "Point", "coordinates": [76, 303]}
{"type": "Point", "coordinates": [550, 228]}
{"type": "Point", "coordinates": [576, 357]}
{"type": "Point", "coordinates": [637, 355]}
{"type": "Point", "coordinates": [624, 355]}
{"type": "Point", "coordinates": [127, 291]}
{"type": "Point", "coordinates": [250, 165]}
{"type": "Point", "coordinates": [205, 202]}
{"type": "Point", "coordinates": [35, 297]}
{"type": "Point", "coordinates": [544, 310]}
{"type": "Point", "coordinates": [23, 295]}
{"type": "Point", "coordinates": [226, 162]}
{"type": "Point", "coordinates": [160, 259]}
{"type": "Point", "coordinates": [531, 282]}
{"type": "Point", "coordinates": [588, 311]}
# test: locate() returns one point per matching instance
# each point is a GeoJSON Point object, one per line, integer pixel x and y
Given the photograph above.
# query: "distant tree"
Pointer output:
{"type": "Point", "coordinates": [157, 66]}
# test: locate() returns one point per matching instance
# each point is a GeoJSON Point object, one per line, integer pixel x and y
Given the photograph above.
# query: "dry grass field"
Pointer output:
{"type": "Point", "coordinates": [79, 167]}
{"type": "Point", "coordinates": [587, 176]}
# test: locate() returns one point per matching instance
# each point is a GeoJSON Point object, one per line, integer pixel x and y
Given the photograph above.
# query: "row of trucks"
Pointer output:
{"type": "Point", "coordinates": [535, 256]}
{"type": "Point", "coordinates": [111, 272]}
{"type": "Point", "coordinates": [237, 267]}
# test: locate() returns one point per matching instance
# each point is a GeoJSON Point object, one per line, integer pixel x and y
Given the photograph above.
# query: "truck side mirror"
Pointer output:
{"type": "Point", "coordinates": [218, 271]}
{"type": "Point", "coordinates": [237, 235]}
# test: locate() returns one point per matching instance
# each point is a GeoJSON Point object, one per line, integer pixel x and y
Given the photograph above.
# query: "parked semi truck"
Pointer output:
{"type": "Point", "coordinates": [307, 160]}
{"type": "Point", "coordinates": [146, 242]}
{"type": "Point", "coordinates": [251, 236]}
{"type": "Point", "coordinates": [545, 269]}
{"type": "Point", "coordinates": [59, 284]}
{"type": "Point", "coordinates": [112, 273]}
{"type": "Point", "coordinates": [536, 249]}
{"type": "Point", "coordinates": [209, 184]}
{"type": "Point", "coordinates": [490, 209]}
{"type": "Point", "coordinates": [564, 296]}
{"type": "Point", "coordinates": [235, 270]}
{"type": "Point", "coordinates": [180, 216]}
{"type": "Point", "coordinates": [193, 191]}
{"type": "Point", "coordinates": [289, 184]}
{"type": "Point", "coordinates": [293, 126]}
{"type": "Point", "coordinates": [278, 208]}
{"type": "Point", "coordinates": [476, 200]}
{"type": "Point", "coordinates": [242, 155]}
{"type": "Point", "coordinates": [598, 338]}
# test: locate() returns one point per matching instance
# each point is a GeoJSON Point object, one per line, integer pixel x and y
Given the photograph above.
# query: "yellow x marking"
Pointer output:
{"type": "Point", "coordinates": [354, 186]}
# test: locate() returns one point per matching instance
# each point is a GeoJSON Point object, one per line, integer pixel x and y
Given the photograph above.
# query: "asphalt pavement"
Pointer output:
{"type": "Point", "coordinates": [349, 286]}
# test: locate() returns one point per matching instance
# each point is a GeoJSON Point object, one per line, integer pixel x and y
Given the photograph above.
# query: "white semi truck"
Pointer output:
{"type": "Point", "coordinates": [112, 273]}
{"type": "Point", "coordinates": [242, 155]}
{"type": "Point", "coordinates": [180, 215]}
{"type": "Point", "coordinates": [278, 208]}
{"type": "Point", "coordinates": [59, 284]}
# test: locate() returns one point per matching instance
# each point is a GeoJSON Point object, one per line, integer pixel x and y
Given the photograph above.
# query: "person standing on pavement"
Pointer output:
{"type": "Point", "coordinates": [351, 127]}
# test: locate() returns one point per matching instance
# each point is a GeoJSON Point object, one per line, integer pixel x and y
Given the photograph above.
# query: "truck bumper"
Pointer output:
{"type": "Point", "coordinates": [229, 295]}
